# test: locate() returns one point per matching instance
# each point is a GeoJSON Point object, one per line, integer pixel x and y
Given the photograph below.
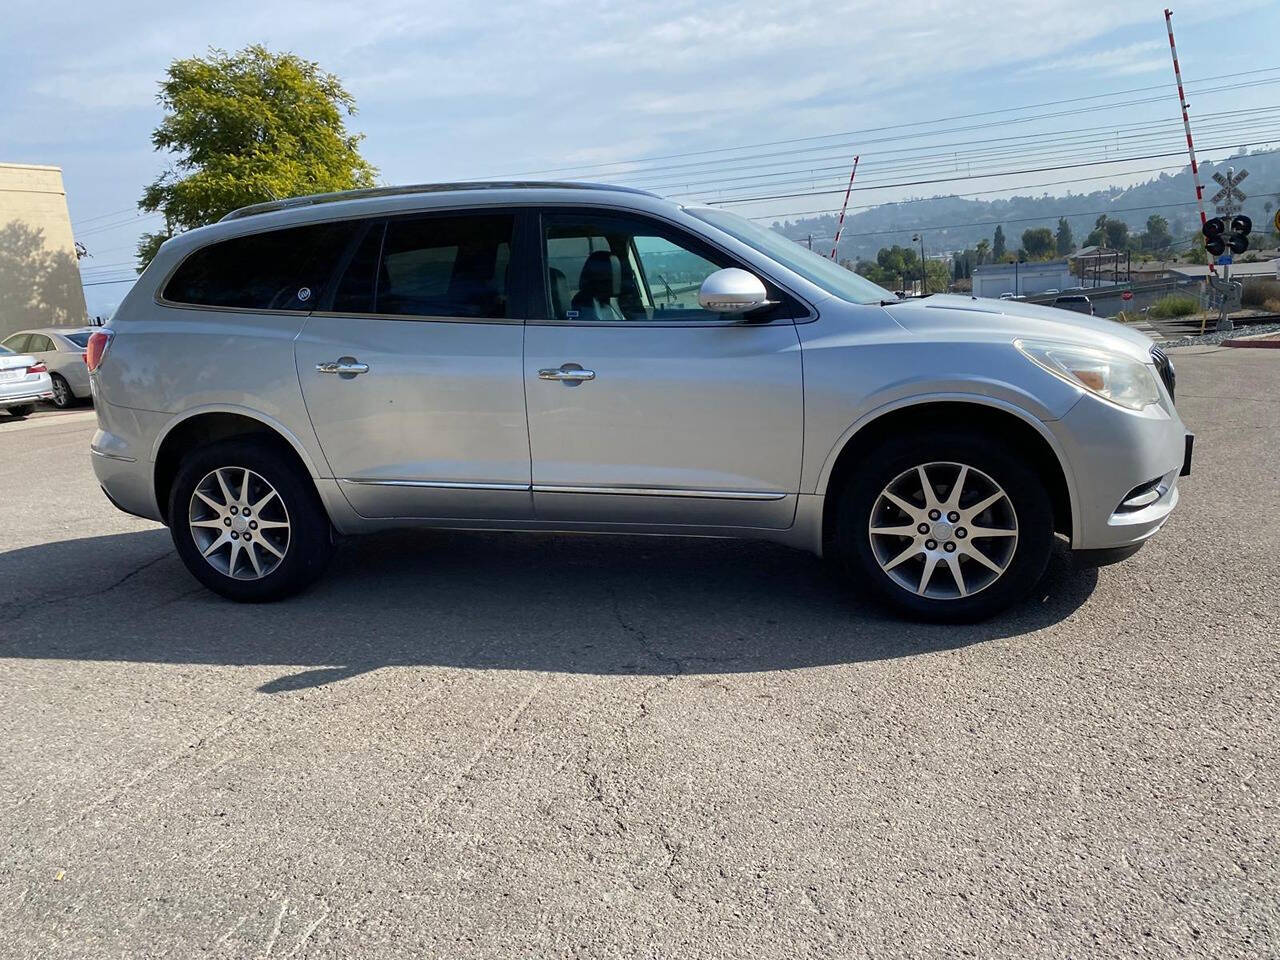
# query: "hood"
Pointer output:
{"type": "Point", "coordinates": [952, 317]}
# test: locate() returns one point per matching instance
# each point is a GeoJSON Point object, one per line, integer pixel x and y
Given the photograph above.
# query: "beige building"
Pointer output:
{"type": "Point", "coordinates": [39, 272]}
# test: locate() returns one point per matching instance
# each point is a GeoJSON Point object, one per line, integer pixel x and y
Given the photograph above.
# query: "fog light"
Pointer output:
{"type": "Point", "coordinates": [1143, 495]}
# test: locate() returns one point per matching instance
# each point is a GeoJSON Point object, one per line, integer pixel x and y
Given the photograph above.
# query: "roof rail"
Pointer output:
{"type": "Point", "coordinates": [271, 206]}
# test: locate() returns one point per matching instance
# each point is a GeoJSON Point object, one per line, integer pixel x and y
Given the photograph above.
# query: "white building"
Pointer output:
{"type": "Point", "coordinates": [39, 271]}
{"type": "Point", "coordinates": [1021, 279]}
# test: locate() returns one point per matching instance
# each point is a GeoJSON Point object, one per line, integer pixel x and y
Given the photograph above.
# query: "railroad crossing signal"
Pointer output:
{"type": "Point", "coordinates": [1216, 239]}
{"type": "Point", "coordinates": [1230, 199]}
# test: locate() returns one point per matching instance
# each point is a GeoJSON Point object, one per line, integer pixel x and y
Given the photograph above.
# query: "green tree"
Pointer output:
{"type": "Point", "coordinates": [1113, 234]}
{"type": "Point", "coordinates": [246, 127]}
{"type": "Point", "coordinates": [1157, 236]}
{"type": "Point", "coordinates": [1066, 243]}
{"type": "Point", "coordinates": [1038, 243]}
{"type": "Point", "coordinates": [983, 251]}
{"type": "Point", "coordinates": [998, 245]}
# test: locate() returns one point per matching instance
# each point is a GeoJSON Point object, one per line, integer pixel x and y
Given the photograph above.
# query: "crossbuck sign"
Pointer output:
{"type": "Point", "coordinates": [1229, 200]}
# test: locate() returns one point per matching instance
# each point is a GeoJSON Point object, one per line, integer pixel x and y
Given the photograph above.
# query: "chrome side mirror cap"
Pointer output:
{"type": "Point", "coordinates": [732, 290]}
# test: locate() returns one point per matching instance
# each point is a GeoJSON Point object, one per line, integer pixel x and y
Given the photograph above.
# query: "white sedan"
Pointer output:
{"type": "Point", "coordinates": [23, 381]}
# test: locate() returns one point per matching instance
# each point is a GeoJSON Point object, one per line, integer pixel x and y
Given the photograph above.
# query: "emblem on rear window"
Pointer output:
{"type": "Point", "coordinates": [304, 293]}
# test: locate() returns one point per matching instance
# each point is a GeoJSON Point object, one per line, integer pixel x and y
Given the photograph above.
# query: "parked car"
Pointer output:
{"type": "Point", "coordinates": [1050, 292]}
{"type": "Point", "coordinates": [502, 356]}
{"type": "Point", "coordinates": [61, 349]}
{"type": "Point", "coordinates": [1076, 302]}
{"type": "Point", "coordinates": [23, 381]}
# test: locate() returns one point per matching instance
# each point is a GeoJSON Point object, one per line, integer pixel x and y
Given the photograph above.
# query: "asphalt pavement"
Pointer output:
{"type": "Point", "coordinates": [479, 745]}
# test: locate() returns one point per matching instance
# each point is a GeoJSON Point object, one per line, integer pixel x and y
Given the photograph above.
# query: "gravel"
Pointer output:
{"type": "Point", "coordinates": [1215, 337]}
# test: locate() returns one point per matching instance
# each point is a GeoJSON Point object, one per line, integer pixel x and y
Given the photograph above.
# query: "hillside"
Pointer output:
{"type": "Point", "coordinates": [952, 223]}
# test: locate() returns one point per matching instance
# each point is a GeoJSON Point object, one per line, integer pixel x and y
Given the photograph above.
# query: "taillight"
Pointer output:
{"type": "Point", "coordinates": [99, 341]}
{"type": "Point", "coordinates": [38, 367]}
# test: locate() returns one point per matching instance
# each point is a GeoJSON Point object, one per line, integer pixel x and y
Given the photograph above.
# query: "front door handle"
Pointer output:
{"type": "Point", "coordinates": [344, 366]}
{"type": "Point", "coordinates": [569, 373]}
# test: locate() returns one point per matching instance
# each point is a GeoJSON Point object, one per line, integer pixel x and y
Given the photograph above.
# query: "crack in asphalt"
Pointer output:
{"type": "Point", "coordinates": [24, 608]}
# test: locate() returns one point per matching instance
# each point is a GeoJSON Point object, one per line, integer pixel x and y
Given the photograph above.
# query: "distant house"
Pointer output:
{"type": "Point", "coordinates": [1021, 279]}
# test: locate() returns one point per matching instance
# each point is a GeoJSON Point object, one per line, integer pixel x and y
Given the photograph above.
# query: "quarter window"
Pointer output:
{"type": "Point", "coordinates": [275, 270]}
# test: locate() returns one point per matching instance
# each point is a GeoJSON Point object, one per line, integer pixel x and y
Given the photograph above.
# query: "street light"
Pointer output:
{"type": "Point", "coordinates": [924, 277]}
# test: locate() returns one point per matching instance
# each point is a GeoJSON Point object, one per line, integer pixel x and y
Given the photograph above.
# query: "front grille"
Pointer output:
{"type": "Point", "coordinates": [1164, 366]}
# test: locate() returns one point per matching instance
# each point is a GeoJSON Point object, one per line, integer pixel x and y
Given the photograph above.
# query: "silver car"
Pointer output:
{"type": "Point", "coordinates": [570, 357]}
{"type": "Point", "coordinates": [62, 350]}
{"type": "Point", "coordinates": [23, 381]}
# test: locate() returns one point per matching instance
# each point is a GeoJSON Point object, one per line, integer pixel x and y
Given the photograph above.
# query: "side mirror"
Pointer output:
{"type": "Point", "coordinates": [732, 291]}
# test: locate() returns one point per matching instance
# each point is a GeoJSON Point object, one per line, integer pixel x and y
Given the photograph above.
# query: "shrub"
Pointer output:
{"type": "Point", "coordinates": [1272, 305]}
{"type": "Point", "coordinates": [1256, 293]}
{"type": "Point", "coordinates": [1174, 305]}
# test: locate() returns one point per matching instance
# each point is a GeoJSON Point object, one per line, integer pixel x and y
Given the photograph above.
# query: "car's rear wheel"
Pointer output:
{"type": "Point", "coordinates": [247, 521]}
{"type": "Point", "coordinates": [62, 395]}
{"type": "Point", "coordinates": [21, 412]}
{"type": "Point", "coordinates": [945, 526]}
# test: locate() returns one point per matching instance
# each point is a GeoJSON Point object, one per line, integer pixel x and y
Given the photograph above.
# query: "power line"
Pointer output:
{"type": "Point", "coordinates": [982, 176]}
{"type": "Point", "coordinates": [919, 123]}
{"type": "Point", "coordinates": [1091, 139]}
{"type": "Point", "coordinates": [946, 163]}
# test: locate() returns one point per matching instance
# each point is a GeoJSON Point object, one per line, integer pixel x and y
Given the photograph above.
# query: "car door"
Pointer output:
{"type": "Point", "coordinates": [643, 407]}
{"type": "Point", "coordinates": [411, 370]}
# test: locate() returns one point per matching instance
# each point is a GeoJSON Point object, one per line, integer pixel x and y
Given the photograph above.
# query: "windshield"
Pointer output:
{"type": "Point", "coordinates": [81, 340]}
{"type": "Point", "coordinates": [827, 274]}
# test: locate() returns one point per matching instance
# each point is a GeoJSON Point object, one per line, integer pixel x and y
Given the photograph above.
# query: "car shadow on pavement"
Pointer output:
{"type": "Point", "coordinates": [578, 604]}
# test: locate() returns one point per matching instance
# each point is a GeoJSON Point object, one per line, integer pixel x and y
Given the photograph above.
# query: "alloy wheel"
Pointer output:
{"type": "Point", "coordinates": [239, 523]}
{"type": "Point", "coordinates": [943, 530]}
{"type": "Point", "coordinates": [61, 394]}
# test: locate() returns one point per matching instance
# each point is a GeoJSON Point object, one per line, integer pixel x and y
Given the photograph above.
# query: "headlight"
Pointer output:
{"type": "Point", "coordinates": [1123, 381]}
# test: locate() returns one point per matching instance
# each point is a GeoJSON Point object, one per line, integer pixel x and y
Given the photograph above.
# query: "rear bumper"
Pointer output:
{"type": "Point", "coordinates": [23, 399]}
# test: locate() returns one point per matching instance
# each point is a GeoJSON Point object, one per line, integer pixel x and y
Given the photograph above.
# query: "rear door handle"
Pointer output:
{"type": "Point", "coordinates": [345, 366]}
{"type": "Point", "coordinates": [569, 373]}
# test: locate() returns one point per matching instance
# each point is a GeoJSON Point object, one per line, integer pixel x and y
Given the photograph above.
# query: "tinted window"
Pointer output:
{"type": "Point", "coordinates": [615, 268]}
{"type": "Point", "coordinates": [355, 291]}
{"type": "Point", "coordinates": [453, 266]}
{"type": "Point", "coordinates": [39, 344]}
{"type": "Point", "coordinates": [81, 340]}
{"type": "Point", "coordinates": [18, 342]}
{"type": "Point", "coordinates": [276, 270]}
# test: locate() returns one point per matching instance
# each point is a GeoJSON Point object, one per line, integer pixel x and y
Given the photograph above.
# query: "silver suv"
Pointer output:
{"type": "Point", "coordinates": [570, 357]}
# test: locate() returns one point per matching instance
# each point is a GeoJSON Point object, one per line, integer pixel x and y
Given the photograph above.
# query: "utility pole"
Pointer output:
{"type": "Point", "coordinates": [924, 277]}
{"type": "Point", "coordinates": [811, 241]}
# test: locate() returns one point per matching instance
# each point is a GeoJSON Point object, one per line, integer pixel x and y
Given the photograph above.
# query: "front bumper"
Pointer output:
{"type": "Point", "coordinates": [1111, 451]}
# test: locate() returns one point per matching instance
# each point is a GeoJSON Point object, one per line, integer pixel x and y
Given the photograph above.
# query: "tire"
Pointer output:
{"type": "Point", "coordinates": [21, 412]}
{"type": "Point", "coordinates": [1020, 521]}
{"type": "Point", "coordinates": [287, 537]}
{"type": "Point", "coordinates": [62, 395]}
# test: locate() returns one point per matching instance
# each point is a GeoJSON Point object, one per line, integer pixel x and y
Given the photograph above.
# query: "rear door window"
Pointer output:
{"type": "Point", "coordinates": [274, 270]}
{"type": "Point", "coordinates": [452, 265]}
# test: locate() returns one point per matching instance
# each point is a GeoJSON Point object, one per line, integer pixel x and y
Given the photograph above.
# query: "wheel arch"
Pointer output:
{"type": "Point", "coordinates": [209, 425]}
{"type": "Point", "coordinates": [988, 413]}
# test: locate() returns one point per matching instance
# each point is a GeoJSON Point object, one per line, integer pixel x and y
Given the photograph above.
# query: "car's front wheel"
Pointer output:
{"type": "Point", "coordinates": [946, 525]}
{"type": "Point", "coordinates": [247, 521]}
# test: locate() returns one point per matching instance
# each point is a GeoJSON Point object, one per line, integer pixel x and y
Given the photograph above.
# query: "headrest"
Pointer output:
{"type": "Point", "coordinates": [601, 277]}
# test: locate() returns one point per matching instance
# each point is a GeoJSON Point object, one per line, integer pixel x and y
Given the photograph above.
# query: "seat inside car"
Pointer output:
{"type": "Point", "coordinates": [598, 287]}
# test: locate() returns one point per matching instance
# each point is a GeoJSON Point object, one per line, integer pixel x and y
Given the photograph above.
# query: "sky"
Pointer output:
{"type": "Point", "coordinates": [475, 90]}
